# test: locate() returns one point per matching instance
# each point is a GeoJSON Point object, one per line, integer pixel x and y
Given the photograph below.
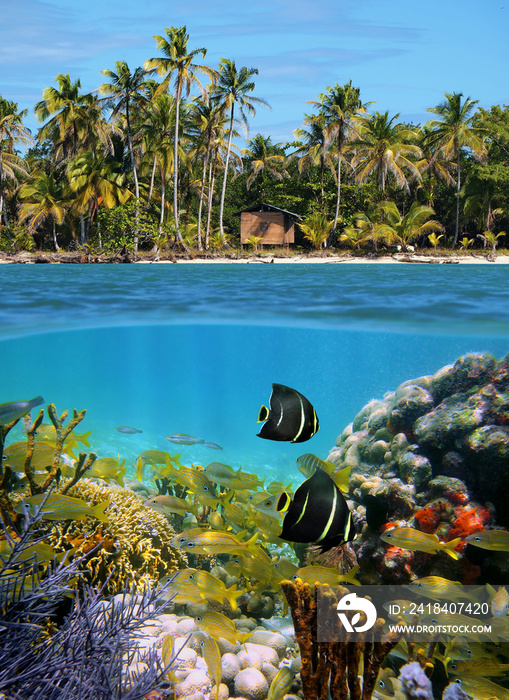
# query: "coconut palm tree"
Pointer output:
{"type": "Point", "coordinates": [126, 91]}
{"type": "Point", "coordinates": [266, 160]}
{"type": "Point", "coordinates": [65, 108]}
{"type": "Point", "coordinates": [452, 132]}
{"type": "Point", "coordinates": [339, 105]}
{"type": "Point", "coordinates": [43, 201]}
{"type": "Point", "coordinates": [233, 90]}
{"type": "Point", "coordinates": [178, 61]}
{"type": "Point", "coordinates": [316, 228]}
{"type": "Point", "coordinates": [385, 148]}
{"type": "Point", "coordinates": [401, 230]}
{"type": "Point", "coordinates": [12, 131]}
{"type": "Point", "coordinates": [94, 178]}
{"type": "Point", "coordinates": [313, 152]}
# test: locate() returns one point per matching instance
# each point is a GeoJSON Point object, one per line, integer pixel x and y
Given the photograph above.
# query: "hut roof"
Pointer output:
{"type": "Point", "coordinates": [262, 206]}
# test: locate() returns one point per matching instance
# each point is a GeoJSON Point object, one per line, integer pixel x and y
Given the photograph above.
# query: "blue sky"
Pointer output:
{"type": "Point", "coordinates": [403, 55]}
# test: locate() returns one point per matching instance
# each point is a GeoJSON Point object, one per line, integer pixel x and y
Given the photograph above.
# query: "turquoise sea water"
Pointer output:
{"type": "Point", "coordinates": [195, 348]}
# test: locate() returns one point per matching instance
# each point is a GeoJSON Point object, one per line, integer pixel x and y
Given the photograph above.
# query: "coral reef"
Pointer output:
{"type": "Point", "coordinates": [432, 455]}
{"type": "Point", "coordinates": [48, 654]}
{"type": "Point", "coordinates": [132, 547]}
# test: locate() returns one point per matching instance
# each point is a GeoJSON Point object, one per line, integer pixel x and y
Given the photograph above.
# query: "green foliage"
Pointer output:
{"type": "Point", "coordinates": [16, 239]}
{"type": "Point", "coordinates": [118, 227]}
{"type": "Point", "coordinates": [254, 240]}
{"type": "Point", "coordinates": [434, 239]}
{"type": "Point", "coordinates": [316, 228]}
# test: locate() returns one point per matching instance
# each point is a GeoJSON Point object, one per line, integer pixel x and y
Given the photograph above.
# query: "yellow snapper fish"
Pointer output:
{"type": "Point", "coordinates": [269, 527]}
{"type": "Point", "coordinates": [281, 684]}
{"type": "Point", "coordinates": [41, 551]}
{"type": "Point", "coordinates": [283, 569]}
{"type": "Point", "coordinates": [480, 688]}
{"type": "Point", "coordinates": [212, 587]}
{"type": "Point", "coordinates": [326, 575]}
{"type": "Point", "coordinates": [212, 657]}
{"type": "Point", "coordinates": [202, 541]}
{"type": "Point", "coordinates": [16, 453]}
{"type": "Point", "coordinates": [499, 600]}
{"type": "Point", "coordinates": [108, 468]}
{"type": "Point", "coordinates": [309, 463]}
{"type": "Point", "coordinates": [215, 521]}
{"type": "Point", "coordinates": [482, 667]}
{"type": "Point", "coordinates": [13, 410]}
{"type": "Point", "coordinates": [153, 458]}
{"type": "Point", "coordinates": [257, 565]}
{"type": "Point", "coordinates": [417, 541]}
{"type": "Point", "coordinates": [224, 475]}
{"type": "Point", "coordinates": [167, 505]}
{"type": "Point", "coordinates": [233, 513]}
{"type": "Point", "coordinates": [438, 588]}
{"type": "Point", "coordinates": [219, 626]}
{"type": "Point", "coordinates": [72, 440]}
{"type": "Point", "coordinates": [384, 685]}
{"type": "Point", "coordinates": [278, 487]}
{"type": "Point", "coordinates": [195, 481]}
{"type": "Point", "coordinates": [493, 540]}
{"type": "Point", "coordinates": [59, 507]}
{"type": "Point", "coordinates": [273, 505]}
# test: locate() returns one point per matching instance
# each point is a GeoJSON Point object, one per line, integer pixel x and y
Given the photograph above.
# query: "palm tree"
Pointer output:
{"type": "Point", "coordinates": [452, 132]}
{"type": "Point", "coordinates": [265, 158]}
{"type": "Point", "coordinates": [126, 90]}
{"type": "Point", "coordinates": [12, 131]}
{"type": "Point", "coordinates": [432, 164]}
{"type": "Point", "coordinates": [404, 229]}
{"type": "Point", "coordinates": [94, 179]}
{"type": "Point", "coordinates": [339, 105]}
{"type": "Point", "coordinates": [233, 89]}
{"type": "Point", "coordinates": [313, 151]}
{"type": "Point", "coordinates": [67, 107]}
{"type": "Point", "coordinates": [384, 148]}
{"type": "Point", "coordinates": [316, 228]}
{"type": "Point", "coordinates": [179, 60]}
{"type": "Point", "coordinates": [44, 201]}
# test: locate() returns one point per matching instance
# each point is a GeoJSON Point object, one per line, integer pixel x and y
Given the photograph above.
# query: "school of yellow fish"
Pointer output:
{"type": "Point", "coordinates": [231, 516]}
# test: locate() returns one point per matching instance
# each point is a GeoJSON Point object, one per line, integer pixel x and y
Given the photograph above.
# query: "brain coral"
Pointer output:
{"type": "Point", "coordinates": [132, 547]}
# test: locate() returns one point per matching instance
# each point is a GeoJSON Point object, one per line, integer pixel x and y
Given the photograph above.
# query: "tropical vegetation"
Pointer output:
{"type": "Point", "coordinates": [152, 160]}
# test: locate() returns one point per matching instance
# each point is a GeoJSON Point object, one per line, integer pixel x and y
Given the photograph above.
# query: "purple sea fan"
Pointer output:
{"type": "Point", "coordinates": [81, 655]}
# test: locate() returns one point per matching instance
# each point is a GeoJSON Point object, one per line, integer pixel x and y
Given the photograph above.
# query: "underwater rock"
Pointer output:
{"type": "Point", "coordinates": [431, 455]}
{"type": "Point", "coordinates": [251, 684]}
{"type": "Point", "coordinates": [268, 655]}
{"type": "Point", "coordinates": [223, 692]}
{"type": "Point", "coordinates": [454, 692]}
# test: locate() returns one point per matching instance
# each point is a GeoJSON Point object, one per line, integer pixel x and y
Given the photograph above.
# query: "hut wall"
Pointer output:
{"type": "Point", "coordinates": [274, 227]}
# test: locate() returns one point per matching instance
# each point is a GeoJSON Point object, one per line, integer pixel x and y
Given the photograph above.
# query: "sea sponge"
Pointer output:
{"type": "Point", "coordinates": [251, 684]}
{"type": "Point", "coordinates": [133, 546]}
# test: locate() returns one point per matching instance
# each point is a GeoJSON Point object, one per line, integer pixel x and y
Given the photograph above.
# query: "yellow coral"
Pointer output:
{"type": "Point", "coordinates": [132, 547]}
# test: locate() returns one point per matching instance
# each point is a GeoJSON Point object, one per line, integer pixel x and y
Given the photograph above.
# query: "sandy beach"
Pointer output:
{"type": "Point", "coordinates": [249, 259]}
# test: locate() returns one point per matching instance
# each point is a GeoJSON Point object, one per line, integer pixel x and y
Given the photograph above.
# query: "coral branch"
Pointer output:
{"type": "Point", "coordinates": [82, 466]}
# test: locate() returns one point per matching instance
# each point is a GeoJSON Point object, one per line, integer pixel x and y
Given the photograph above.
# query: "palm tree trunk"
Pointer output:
{"type": "Point", "coordinates": [178, 235]}
{"type": "Point", "coordinates": [135, 176]}
{"type": "Point", "coordinates": [82, 229]}
{"type": "Point", "coordinates": [223, 189]}
{"type": "Point", "coordinates": [163, 197]}
{"type": "Point", "coordinates": [202, 193]}
{"type": "Point", "coordinates": [212, 182]}
{"type": "Point", "coordinates": [458, 185]}
{"type": "Point", "coordinates": [57, 249]}
{"type": "Point", "coordinates": [152, 180]}
{"type": "Point", "coordinates": [338, 192]}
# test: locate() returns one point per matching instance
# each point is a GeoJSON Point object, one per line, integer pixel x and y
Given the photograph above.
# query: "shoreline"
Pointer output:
{"type": "Point", "coordinates": [267, 258]}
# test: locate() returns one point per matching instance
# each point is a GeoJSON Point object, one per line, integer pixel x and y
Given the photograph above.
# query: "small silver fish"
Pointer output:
{"type": "Point", "coordinates": [127, 430]}
{"type": "Point", "coordinates": [184, 439]}
{"type": "Point", "coordinates": [17, 409]}
{"type": "Point", "coordinates": [212, 445]}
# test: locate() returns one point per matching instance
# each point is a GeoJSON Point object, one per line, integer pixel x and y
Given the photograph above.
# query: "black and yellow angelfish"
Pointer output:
{"type": "Point", "coordinates": [291, 416]}
{"type": "Point", "coordinates": [318, 514]}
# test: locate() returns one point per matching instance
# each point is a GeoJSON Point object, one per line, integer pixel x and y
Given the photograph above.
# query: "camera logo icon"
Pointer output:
{"type": "Point", "coordinates": [352, 603]}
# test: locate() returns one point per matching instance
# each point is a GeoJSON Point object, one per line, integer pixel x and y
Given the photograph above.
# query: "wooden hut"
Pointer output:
{"type": "Point", "coordinates": [273, 225]}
